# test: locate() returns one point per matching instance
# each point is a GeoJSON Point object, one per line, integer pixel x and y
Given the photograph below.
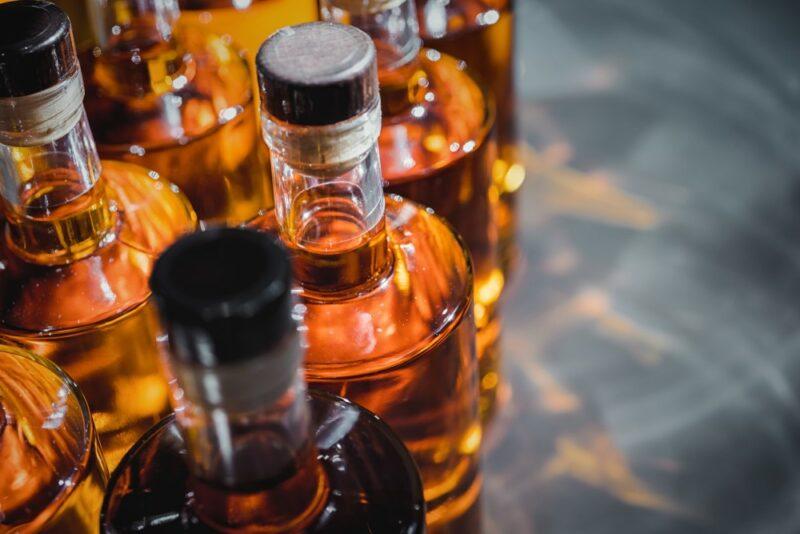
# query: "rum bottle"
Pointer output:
{"type": "Point", "coordinates": [177, 100]}
{"type": "Point", "coordinates": [80, 235]}
{"type": "Point", "coordinates": [386, 284]}
{"type": "Point", "coordinates": [248, 449]}
{"type": "Point", "coordinates": [52, 476]}
{"type": "Point", "coordinates": [481, 32]}
{"type": "Point", "coordinates": [437, 148]}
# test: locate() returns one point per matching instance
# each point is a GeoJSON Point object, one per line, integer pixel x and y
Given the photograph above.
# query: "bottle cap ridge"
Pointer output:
{"type": "Point", "coordinates": [37, 50]}
{"type": "Point", "coordinates": [317, 74]}
{"type": "Point", "coordinates": [224, 296]}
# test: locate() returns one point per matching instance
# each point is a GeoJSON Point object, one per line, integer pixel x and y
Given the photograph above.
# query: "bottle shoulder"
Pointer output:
{"type": "Point", "coordinates": [449, 116]}
{"type": "Point", "coordinates": [443, 20]}
{"type": "Point", "coordinates": [379, 492]}
{"type": "Point", "coordinates": [421, 300]}
{"type": "Point", "coordinates": [150, 214]}
{"type": "Point", "coordinates": [211, 88]}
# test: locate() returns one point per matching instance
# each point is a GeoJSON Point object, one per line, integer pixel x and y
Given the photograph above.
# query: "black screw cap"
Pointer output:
{"type": "Point", "coordinates": [224, 295]}
{"type": "Point", "coordinates": [317, 73]}
{"type": "Point", "coordinates": [36, 47]}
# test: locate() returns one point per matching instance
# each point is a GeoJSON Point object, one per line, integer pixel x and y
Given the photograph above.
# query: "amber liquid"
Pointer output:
{"type": "Point", "coordinates": [437, 148]}
{"type": "Point", "coordinates": [185, 111]}
{"type": "Point", "coordinates": [248, 23]}
{"type": "Point", "coordinates": [403, 345]}
{"type": "Point", "coordinates": [481, 32]}
{"type": "Point", "coordinates": [89, 313]}
{"type": "Point", "coordinates": [53, 476]}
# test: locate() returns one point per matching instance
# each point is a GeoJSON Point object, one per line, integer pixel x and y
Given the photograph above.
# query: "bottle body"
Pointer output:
{"type": "Point", "coordinates": [53, 474]}
{"type": "Point", "coordinates": [439, 150]}
{"type": "Point", "coordinates": [247, 23]}
{"type": "Point", "coordinates": [481, 32]}
{"type": "Point", "coordinates": [187, 111]}
{"type": "Point", "coordinates": [403, 346]}
{"type": "Point", "coordinates": [369, 479]}
{"type": "Point", "coordinates": [91, 315]}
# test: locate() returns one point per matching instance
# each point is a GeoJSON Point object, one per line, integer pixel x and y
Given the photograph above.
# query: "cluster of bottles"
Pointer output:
{"type": "Point", "coordinates": [198, 271]}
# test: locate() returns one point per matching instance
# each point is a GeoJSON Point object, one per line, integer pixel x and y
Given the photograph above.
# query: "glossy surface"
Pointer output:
{"type": "Point", "coordinates": [437, 148]}
{"type": "Point", "coordinates": [371, 482]}
{"type": "Point", "coordinates": [481, 32]}
{"type": "Point", "coordinates": [52, 475]}
{"type": "Point", "coordinates": [651, 340]}
{"type": "Point", "coordinates": [184, 109]}
{"type": "Point", "coordinates": [403, 347]}
{"type": "Point", "coordinates": [91, 316]}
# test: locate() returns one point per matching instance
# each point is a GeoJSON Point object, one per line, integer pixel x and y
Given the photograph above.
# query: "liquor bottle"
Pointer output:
{"type": "Point", "coordinates": [481, 32]}
{"type": "Point", "coordinates": [177, 100]}
{"type": "Point", "coordinates": [437, 148]}
{"type": "Point", "coordinates": [247, 22]}
{"type": "Point", "coordinates": [80, 235]}
{"type": "Point", "coordinates": [248, 450]}
{"type": "Point", "coordinates": [52, 475]}
{"type": "Point", "coordinates": [386, 284]}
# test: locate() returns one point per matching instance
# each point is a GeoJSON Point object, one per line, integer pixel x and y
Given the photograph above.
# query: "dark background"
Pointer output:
{"type": "Point", "coordinates": [652, 348]}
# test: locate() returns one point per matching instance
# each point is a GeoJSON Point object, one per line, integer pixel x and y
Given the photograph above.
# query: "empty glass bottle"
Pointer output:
{"type": "Point", "coordinates": [248, 450]}
{"type": "Point", "coordinates": [386, 284]}
{"type": "Point", "coordinates": [80, 235]}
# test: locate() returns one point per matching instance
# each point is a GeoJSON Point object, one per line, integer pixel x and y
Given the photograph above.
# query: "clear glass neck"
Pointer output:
{"type": "Point", "coordinates": [114, 20]}
{"type": "Point", "coordinates": [394, 29]}
{"type": "Point", "coordinates": [53, 196]}
{"type": "Point", "coordinates": [250, 448]}
{"type": "Point", "coordinates": [329, 200]}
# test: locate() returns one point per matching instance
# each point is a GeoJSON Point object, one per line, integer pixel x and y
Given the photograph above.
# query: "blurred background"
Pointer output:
{"type": "Point", "coordinates": [651, 348]}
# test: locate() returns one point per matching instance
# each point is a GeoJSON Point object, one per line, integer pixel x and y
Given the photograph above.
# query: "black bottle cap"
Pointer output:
{"type": "Point", "coordinates": [317, 73]}
{"type": "Point", "coordinates": [224, 295]}
{"type": "Point", "coordinates": [36, 47]}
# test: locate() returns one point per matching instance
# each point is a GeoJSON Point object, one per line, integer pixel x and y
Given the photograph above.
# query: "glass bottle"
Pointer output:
{"type": "Point", "coordinates": [386, 284]}
{"type": "Point", "coordinates": [481, 32]}
{"type": "Point", "coordinates": [177, 100]}
{"type": "Point", "coordinates": [248, 449]}
{"type": "Point", "coordinates": [437, 148]}
{"type": "Point", "coordinates": [247, 22]}
{"type": "Point", "coordinates": [80, 235]}
{"type": "Point", "coordinates": [52, 475]}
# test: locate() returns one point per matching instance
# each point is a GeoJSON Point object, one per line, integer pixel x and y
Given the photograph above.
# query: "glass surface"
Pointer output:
{"type": "Point", "coordinates": [373, 485]}
{"type": "Point", "coordinates": [91, 316]}
{"type": "Point", "coordinates": [481, 32]}
{"type": "Point", "coordinates": [437, 148]}
{"type": "Point", "coordinates": [184, 109]}
{"type": "Point", "coordinates": [403, 347]}
{"type": "Point", "coordinates": [52, 475]}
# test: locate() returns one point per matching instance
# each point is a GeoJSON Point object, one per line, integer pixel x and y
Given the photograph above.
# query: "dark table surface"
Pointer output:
{"type": "Point", "coordinates": [652, 350]}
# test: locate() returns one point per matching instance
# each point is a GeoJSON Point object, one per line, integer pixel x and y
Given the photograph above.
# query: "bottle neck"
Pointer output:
{"type": "Point", "coordinates": [138, 54]}
{"type": "Point", "coordinates": [250, 447]}
{"type": "Point", "coordinates": [53, 195]}
{"type": "Point", "coordinates": [329, 201]}
{"type": "Point", "coordinates": [394, 29]}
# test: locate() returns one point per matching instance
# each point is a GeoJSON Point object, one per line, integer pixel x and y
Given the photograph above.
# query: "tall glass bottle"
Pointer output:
{"type": "Point", "coordinates": [80, 235]}
{"type": "Point", "coordinates": [177, 100]}
{"type": "Point", "coordinates": [437, 148]}
{"type": "Point", "coordinates": [52, 476]}
{"type": "Point", "coordinates": [386, 284]}
{"type": "Point", "coordinates": [481, 32]}
{"type": "Point", "coordinates": [248, 449]}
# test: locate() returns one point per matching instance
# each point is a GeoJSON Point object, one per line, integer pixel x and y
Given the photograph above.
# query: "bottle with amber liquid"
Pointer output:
{"type": "Point", "coordinates": [481, 32]}
{"type": "Point", "coordinates": [179, 101]}
{"type": "Point", "coordinates": [437, 148]}
{"type": "Point", "coordinates": [247, 22]}
{"type": "Point", "coordinates": [52, 476]}
{"type": "Point", "coordinates": [248, 449]}
{"type": "Point", "coordinates": [386, 284]}
{"type": "Point", "coordinates": [80, 235]}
